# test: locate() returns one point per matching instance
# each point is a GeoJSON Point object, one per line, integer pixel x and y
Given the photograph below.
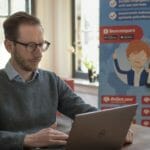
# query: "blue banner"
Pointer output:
{"type": "Point", "coordinates": [125, 56]}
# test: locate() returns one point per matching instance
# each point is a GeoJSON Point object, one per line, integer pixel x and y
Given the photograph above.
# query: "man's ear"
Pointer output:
{"type": "Point", "coordinates": [9, 45]}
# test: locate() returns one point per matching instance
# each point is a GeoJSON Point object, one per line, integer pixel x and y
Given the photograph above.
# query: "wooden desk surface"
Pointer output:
{"type": "Point", "coordinates": [141, 139]}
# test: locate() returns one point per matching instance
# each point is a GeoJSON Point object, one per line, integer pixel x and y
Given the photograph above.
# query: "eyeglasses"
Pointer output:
{"type": "Point", "coordinates": [31, 47]}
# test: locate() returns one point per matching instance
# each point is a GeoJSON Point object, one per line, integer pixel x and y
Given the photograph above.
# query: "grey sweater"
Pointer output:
{"type": "Point", "coordinates": [28, 107]}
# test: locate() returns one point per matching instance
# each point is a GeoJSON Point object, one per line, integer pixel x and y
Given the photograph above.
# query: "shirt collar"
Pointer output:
{"type": "Point", "coordinates": [14, 75]}
{"type": "Point", "coordinates": [139, 72]}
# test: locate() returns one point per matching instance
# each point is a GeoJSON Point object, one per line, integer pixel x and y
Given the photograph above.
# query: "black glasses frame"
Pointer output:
{"type": "Point", "coordinates": [28, 45]}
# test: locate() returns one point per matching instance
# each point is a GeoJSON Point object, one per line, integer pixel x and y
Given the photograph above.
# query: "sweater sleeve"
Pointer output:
{"type": "Point", "coordinates": [11, 140]}
{"type": "Point", "coordinates": [69, 103]}
{"type": "Point", "coordinates": [118, 67]}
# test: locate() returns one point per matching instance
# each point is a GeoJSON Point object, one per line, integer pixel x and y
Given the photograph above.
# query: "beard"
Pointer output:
{"type": "Point", "coordinates": [24, 64]}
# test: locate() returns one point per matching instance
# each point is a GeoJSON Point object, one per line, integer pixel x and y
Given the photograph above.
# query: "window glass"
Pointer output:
{"type": "Point", "coordinates": [17, 5]}
{"type": "Point", "coordinates": [4, 56]}
{"type": "Point", "coordinates": [3, 7]}
{"type": "Point", "coordinates": [86, 34]}
{"type": "Point", "coordinates": [8, 7]}
{"type": "Point", "coordinates": [1, 29]}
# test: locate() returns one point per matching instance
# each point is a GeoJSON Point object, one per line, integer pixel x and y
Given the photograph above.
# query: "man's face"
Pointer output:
{"type": "Point", "coordinates": [138, 60]}
{"type": "Point", "coordinates": [24, 59]}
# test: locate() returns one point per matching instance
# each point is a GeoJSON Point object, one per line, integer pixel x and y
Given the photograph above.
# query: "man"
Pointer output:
{"type": "Point", "coordinates": [30, 97]}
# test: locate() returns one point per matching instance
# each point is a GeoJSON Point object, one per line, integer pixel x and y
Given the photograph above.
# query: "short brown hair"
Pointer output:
{"type": "Point", "coordinates": [137, 46]}
{"type": "Point", "coordinates": [12, 23]}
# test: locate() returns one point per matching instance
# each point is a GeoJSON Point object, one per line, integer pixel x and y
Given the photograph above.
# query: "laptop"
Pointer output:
{"type": "Point", "coordinates": [101, 130]}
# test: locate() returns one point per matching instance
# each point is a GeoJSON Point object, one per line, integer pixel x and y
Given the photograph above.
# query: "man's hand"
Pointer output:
{"type": "Point", "coordinates": [45, 137]}
{"type": "Point", "coordinates": [129, 137]}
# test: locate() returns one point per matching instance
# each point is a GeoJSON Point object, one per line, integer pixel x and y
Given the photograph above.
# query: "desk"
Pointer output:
{"type": "Point", "coordinates": [141, 139]}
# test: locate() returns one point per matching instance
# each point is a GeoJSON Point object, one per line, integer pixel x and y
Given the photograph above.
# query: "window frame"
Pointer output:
{"type": "Point", "coordinates": [76, 73]}
{"type": "Point", "coordinates": [27, 9]}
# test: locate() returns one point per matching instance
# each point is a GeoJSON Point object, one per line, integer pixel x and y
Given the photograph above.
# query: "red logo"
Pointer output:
{"type": "Point", "coordinates": [119, 34]}
{"type": "Point", "coordinates": [145, 111]}
{"type": "Point", "coordinates": [146, 123]}
{"type": "Point", "coordinates": [118, 99]}
{"type": "Point", "coordinates": [145, 99]}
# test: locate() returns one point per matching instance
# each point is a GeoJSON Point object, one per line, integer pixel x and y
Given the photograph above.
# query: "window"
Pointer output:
{"type": "Point", "coordinates": [8, 7]}
{"type": "Point", "coordinates": [86, 36]}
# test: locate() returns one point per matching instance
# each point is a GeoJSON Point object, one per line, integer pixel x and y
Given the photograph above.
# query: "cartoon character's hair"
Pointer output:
{"type": "Point", "coordinates": [137, 46]}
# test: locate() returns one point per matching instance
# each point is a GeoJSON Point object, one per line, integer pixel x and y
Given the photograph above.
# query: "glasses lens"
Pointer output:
{"type": "Point", "coordinates": [31, 47]}
{"type": "Point", "coordinates": [45, 45]}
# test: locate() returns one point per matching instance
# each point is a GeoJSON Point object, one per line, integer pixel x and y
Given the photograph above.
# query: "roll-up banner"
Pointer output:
{"type": "Point", "coordinates": [125, 56]}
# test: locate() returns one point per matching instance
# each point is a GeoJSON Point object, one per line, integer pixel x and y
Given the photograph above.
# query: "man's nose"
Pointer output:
{"type": "Point", "coordinates": [38, 51]}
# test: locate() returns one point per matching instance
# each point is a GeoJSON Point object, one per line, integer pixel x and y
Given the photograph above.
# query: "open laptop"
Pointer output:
{"type": "Point", "coordinates": [101, 130]}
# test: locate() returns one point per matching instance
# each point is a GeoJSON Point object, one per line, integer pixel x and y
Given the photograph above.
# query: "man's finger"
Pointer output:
{"type": "Point", "coordinates": [59, 137]}
{"type": "Point", "coordinates": [58, 142]}
{"type": "Point", "coordinates": [129, 137]}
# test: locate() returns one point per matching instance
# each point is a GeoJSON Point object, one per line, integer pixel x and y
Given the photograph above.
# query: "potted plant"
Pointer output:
{"type": "Point", "coordinates": [91, 70]}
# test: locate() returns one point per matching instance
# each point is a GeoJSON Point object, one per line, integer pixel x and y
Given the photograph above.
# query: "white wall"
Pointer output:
{"type": "Point", "coordinates": [55, 16]}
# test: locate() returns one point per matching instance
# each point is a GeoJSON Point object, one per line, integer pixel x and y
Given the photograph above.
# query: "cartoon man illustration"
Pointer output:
{"type": "Point", "coordinates": [138, 54]}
